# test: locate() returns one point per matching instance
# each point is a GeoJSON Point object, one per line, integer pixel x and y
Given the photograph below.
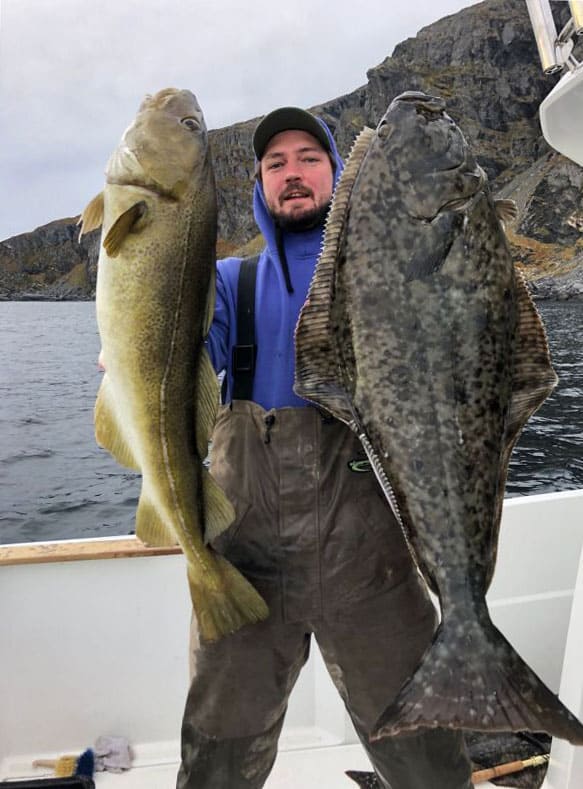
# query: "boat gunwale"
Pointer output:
{"type": "Point", "coordinates": [130, 547]}
{"type": "Point", "coordinates": [80, 550]}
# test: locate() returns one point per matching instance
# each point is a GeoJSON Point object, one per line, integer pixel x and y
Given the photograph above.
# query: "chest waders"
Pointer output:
{"type": "Point", "coordinates": [315, 536]}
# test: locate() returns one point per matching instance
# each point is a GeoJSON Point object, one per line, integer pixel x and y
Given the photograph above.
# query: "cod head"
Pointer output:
{"type": "Point", "coordinates": [165, 146]}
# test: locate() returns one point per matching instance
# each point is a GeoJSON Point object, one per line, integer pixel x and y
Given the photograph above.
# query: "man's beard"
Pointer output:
{"type": "Point", "coordinates": [315, 217]}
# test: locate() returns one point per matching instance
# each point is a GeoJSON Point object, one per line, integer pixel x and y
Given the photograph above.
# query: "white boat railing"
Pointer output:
{"type": "Point", "coordinates": [566, 766]}
{"type": "Point", "coordinates": [561, 112]}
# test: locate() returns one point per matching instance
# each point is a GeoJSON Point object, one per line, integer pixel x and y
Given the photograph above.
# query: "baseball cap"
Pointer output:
{"type": "Point", "coordinates": [284, 119]}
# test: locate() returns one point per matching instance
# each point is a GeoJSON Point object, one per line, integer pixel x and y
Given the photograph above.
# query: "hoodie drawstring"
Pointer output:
{"type": "Point", "coordinates": [283, 259]}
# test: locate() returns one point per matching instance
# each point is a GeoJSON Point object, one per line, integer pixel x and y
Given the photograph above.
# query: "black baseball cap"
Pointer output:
{"type": "Point", "coordinates": [284, 119]}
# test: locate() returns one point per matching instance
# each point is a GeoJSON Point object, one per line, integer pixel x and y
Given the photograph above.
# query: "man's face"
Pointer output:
{"type": "Point", "coordinates": [297, 179]}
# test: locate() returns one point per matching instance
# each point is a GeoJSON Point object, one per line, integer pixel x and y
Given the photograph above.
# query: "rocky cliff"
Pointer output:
{"type": "Point", "coordinates": [483, 61]}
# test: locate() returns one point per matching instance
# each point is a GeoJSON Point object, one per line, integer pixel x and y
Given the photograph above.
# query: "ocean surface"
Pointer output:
{"type": "Point", "coordinates": [55, 483]}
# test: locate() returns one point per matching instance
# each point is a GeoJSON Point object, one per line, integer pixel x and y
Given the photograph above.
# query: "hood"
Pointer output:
{"type": "Point", "coordinates": [261, 212]}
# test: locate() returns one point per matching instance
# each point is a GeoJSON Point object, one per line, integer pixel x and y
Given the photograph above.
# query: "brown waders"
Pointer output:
{"type": "Point", "coordinates": [319, 542]}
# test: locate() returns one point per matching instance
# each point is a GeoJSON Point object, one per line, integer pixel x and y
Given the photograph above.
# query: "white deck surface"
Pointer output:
{"type": "Point", "coordinates": [313, 768]}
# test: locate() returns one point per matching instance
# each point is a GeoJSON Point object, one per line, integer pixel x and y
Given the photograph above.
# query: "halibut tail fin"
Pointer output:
{"type": "Point", "coordinates": [223, 601]}
{"type": "Point", "coordinates": [487, 687]}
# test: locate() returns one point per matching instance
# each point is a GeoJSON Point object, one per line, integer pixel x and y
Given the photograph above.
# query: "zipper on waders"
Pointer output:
{"type": "Point", "coordinates": [268, 421]}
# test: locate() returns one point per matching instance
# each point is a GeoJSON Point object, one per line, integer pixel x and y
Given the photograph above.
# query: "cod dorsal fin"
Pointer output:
{"type": "Point", "coordinates": [218, 510]}
{"type": "Point", "coordinates": [207, 402]}
{"type": "Point", "coordinates": [318, 371]}
{"type": "Point", "coordinates": [92, 216]}
{"type": "Point", "coordinates": [210, 304]}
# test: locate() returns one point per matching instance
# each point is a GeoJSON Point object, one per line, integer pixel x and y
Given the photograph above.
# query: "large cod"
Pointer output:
{"type": "Point", "coordinates": [419, 334]}
{"type": "Point", "coordinates": [158, 399]}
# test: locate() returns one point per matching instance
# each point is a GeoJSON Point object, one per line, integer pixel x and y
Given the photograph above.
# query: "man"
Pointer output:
{"type": "Point", "coordinates": [316, 538]}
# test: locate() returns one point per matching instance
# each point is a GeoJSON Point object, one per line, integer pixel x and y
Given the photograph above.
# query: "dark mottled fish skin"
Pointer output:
{"type": "Point", "coordinates": [364, 780]}
{"type": "Point", "coordinates": [419, 333]}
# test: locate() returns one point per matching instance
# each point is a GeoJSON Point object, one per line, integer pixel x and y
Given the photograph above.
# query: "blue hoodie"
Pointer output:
{"type": "Point", "coordinates": [276, 310]}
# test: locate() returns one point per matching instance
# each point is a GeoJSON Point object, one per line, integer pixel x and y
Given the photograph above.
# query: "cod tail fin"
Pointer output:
{"type": "Point", "coordinates": [488, 688]}
{"type": "Point", "coordinates": [223, 601]}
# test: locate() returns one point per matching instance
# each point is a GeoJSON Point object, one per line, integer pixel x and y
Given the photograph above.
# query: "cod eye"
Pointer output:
{"type": "Point", "coordinates": [190, 123]}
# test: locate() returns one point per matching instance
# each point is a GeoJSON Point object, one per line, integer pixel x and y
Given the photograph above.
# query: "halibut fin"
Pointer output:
{"type": "Point", "coordinates": [318, 365]}
{"type": "Point", "coordinates": [109, 433]}
{"type": "Point", "coordinates": [534, 378]}
{"type": "Point", "coordinates": [92, 216]}
{"type": "Point", "coordinates": [533, 381]}
{"type": "Point", "coordinates": [493, 690]}
{"type": "Point", "coordinates": [506, 210]}
{"type": "Point", "coordinates": [123, 225]}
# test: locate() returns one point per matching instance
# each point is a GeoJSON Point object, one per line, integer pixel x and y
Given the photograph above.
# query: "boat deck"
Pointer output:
{"type": "Point", "coordinates": [309, 768]}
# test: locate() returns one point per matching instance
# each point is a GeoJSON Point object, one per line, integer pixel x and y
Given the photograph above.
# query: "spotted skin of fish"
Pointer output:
{"type": "Point", "coordinates": [158, 399]}
{"type": "Point", "coordinates": [419, 333]}
{"type": "Point", "coordinates": [364, 780]}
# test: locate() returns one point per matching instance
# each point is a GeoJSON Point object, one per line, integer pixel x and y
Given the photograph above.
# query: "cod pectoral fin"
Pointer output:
{"type": "Point", "coordinates": [92, 216]}
{"type": "Point", "coordinates": [125, 223]}
{"type": "Point", "coordinates": [109, 432]}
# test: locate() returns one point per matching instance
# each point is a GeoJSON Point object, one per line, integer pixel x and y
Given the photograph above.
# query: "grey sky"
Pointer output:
{"type": "Point", "coordinates": [73, 72]}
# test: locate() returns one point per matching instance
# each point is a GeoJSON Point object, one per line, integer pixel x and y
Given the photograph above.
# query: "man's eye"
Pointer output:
{"type": "Point", "coordinates": [273, 165]}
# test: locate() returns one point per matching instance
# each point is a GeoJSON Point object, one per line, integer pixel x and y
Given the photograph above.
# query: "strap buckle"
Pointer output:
{"type": "Point", "coordinates": [244, 358]}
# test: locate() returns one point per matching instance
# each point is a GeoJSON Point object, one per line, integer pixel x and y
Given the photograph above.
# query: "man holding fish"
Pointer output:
{"type": "Point", "coordinates": [418, 344]}
{"type": "Point", "coordinates": [313, 532]}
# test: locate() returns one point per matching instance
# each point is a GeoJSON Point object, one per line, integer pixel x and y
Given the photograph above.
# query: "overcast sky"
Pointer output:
{"type": "Point", "coordinates": [73, 72]}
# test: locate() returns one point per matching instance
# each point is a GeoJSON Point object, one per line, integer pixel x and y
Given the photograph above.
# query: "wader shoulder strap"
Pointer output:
{"type": "Point", "coordinates": [245, 351]}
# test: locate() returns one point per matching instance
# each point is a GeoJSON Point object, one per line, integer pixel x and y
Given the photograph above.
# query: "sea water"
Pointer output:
{"type": "Point", "coordinates": [56, 483]}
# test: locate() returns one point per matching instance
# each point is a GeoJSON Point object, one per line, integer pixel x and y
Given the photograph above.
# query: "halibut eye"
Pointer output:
{"type": "Point", "coordinates": [383, 131]}
{"type": "Point", "coordinates": [190, 123]}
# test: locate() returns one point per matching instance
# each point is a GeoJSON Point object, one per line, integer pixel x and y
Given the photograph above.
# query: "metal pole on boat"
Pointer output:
{"type": "Point", "coordinates": [545, 34]}
{"type": "Point", "coordinates": [576, 7]}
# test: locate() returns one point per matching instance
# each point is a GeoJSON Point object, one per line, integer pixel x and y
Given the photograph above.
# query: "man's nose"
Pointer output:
{"type": "Point", "coordinates": [291, 174]}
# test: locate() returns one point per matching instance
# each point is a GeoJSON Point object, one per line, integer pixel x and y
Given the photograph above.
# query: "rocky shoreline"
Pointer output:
{"type": "Point", "coordinates": [483, 61]}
